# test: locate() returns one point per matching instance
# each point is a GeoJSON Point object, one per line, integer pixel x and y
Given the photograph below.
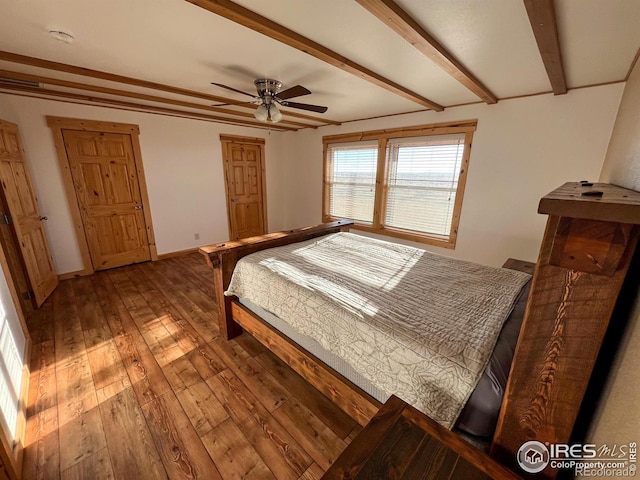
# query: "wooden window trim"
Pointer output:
{"type": "Point", "coordinates": [379, 205]}
{"type": "Point", "coordinates": [383, 136]}
{"type": "Point", "coordinates": [57, 124]}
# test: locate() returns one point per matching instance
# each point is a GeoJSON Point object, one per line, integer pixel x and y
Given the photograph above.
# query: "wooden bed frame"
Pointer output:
{"type": "Point", "coordinates": [585, 254]}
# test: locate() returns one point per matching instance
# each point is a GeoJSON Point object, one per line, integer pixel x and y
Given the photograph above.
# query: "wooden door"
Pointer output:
{"type": "Point", "coordinates": [244, 179]}
{"type": "Point", "coordinates": [106, 183]}
{"type": "Point", "coordinates": [25, 214]}
{"type": "Point", "coordinates": [17, 268]}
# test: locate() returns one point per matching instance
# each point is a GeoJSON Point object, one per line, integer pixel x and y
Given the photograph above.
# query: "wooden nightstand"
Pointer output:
{"type": "Point", "coordinates": [400, 442]}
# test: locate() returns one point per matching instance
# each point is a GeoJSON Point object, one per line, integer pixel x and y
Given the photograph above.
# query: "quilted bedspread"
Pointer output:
{"type": "Point", "coordinates": [416, 324]}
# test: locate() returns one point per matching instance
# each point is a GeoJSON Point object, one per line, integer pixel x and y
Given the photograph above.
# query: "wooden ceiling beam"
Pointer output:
{"type": "Point", "coordinates": [87, 72]}
{"type": "Point", "coordinates": [111, 77]}
{"type": "Point", "coordinates": [260, 24]}
{"type": "Point", "coordinates": [542, 16]}
{"type": "Point", "coordinates": [8, 74]}
{"type": "Point", "coordinates": [404, 25]}
{"type": "Point", "coordinates": [141, 107]}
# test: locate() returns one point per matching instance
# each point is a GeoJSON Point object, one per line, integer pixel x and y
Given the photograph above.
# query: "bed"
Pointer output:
{"type": "Point", "coordinates": [392, 319]}
{"type": "Point", "coordinates": [586, 250]}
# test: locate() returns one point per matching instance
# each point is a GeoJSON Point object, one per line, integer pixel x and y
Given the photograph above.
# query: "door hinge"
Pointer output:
{"type": "Point", "coordinates": [28, 295]}
{"type": "Point", "coordinates": [5, 219]}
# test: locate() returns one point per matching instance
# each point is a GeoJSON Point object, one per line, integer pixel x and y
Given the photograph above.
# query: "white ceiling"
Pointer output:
{"type": "Point", "coordinates": [179, 44]}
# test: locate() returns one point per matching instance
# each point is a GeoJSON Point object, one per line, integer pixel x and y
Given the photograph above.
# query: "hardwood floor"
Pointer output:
{"type": "Point", "coordinates": [129, 379]}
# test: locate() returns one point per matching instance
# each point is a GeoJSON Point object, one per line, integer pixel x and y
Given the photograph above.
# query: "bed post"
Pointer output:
{"type": "Point", "coordinates": [222, 258]}
{"type": "Point", "coordinates": [223, 264]}
{"type": "Point", "coordinates": [585, 254]}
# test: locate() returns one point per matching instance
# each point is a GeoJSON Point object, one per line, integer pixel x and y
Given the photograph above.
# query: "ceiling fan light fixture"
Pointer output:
{"type": "Point", "coordinates": [261, 113]}
{"type": "Point", "coordinates": [274, 113]}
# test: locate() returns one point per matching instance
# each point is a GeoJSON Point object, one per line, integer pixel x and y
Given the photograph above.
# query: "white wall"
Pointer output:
{"type": "Point", "coordinates": [183, 167]}
{"type": "Point", "coordinates": [7, 110]}
{"type": "Point", "coordinates": [522, 149]}
{"type": "Point", "coordinates": [618, 417]}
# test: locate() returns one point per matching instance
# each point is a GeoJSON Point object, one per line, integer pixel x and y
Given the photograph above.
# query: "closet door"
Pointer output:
{"type": "Point", "coordinates": [108, 192]}
{"type": "Point", "coordinates": [245, 186]}
{"type": "Point", "coordinates": [24, 213]}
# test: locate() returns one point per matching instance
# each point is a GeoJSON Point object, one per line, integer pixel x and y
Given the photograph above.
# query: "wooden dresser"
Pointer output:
{"type": "Point", "coordinates": [400, 442]}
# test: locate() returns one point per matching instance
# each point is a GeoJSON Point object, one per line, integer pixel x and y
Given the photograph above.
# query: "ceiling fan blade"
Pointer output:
{"type": "Point", "coordinates": [233, 89]}
{"type": "Point", "coordinates": [232, 104]}
{"type": "Point", "coordinates": [296, 91]}
{"type": "Point", "coordinates": [305, 106]}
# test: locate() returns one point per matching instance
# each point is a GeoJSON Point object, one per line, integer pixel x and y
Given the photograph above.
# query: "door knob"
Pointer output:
{"type": "Point", "coordinates": [138, 207]}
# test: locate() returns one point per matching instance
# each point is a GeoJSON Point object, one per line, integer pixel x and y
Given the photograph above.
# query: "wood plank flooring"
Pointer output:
{"type": "Point", "coordinates": [129, 379]}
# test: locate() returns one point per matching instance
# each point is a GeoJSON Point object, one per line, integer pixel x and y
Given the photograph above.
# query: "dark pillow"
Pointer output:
{"type": "Point", "coordinates": [480, 414]}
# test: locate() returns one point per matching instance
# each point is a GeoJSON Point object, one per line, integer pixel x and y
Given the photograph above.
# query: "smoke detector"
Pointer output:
{"type": "Point", "coordinates": [62, 36]}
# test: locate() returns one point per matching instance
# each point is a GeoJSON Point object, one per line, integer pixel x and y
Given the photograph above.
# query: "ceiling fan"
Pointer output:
{"type": "Point", "coordinates": [269, 97]}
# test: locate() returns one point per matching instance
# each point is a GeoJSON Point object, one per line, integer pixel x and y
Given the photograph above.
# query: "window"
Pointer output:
{"type": "Point", "coordinates": [405, 182]}
{"type": "Point", "coordinates": [422, 183]}
{"type": "Point", "coordinates": [353, 181]}
{"type": "Point", "coordinates": [12, 351]}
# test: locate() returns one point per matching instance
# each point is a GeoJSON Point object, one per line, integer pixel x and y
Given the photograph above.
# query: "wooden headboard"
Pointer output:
{"type": "Point", "coordinates": [585, 254]}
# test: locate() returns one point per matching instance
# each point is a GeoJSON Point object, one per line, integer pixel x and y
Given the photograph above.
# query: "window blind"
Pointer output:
{"type": "Point", "coordinates": [352, 180]}
{"type": "Point", "coordinates": [422, 182]}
